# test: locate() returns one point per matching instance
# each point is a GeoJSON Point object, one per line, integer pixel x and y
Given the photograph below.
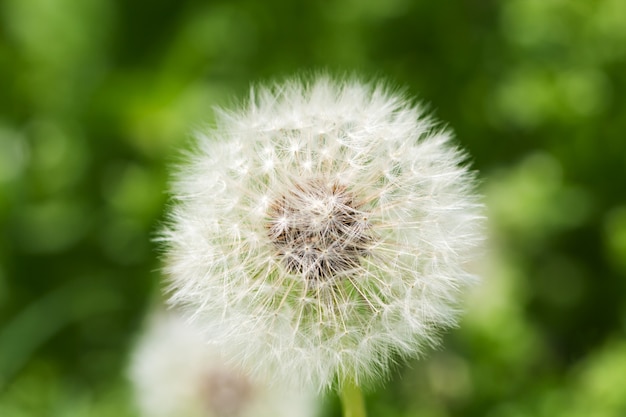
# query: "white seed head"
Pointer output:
{"type": "Point", "coordinates": [322, 231]}
{"type": "Point", "coordinates": [176, 373]}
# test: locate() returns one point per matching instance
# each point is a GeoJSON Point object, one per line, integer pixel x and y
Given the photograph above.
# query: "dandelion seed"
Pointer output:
{"type": "Point", "coordinates": [342, 244]}
{"type": "Point", "coordinates": [176, 373]}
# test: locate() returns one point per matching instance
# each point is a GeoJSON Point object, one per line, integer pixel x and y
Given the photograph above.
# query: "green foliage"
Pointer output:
{"type": "Point", "coordinates": [97, 97]}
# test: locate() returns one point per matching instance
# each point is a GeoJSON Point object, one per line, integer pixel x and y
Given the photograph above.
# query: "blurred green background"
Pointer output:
{"type": "Point", "coordinates": [97, 97]}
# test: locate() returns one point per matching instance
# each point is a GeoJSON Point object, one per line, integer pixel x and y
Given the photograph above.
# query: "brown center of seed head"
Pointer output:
{"type": "Point", "coordinates": [319, 230]}
{"type": "Point", "coordinates": [227, 393]}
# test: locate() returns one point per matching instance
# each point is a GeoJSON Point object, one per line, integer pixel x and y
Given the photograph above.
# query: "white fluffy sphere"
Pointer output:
{"type": "Point", "coordinates": [322, 231]}
{"type": "Point", "coordinates": [175, 373]}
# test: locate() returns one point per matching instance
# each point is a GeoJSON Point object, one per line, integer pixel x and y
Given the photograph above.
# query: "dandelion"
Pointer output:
{"type": "Point", "coordinates": [322, 231]}
{"type": "Point", "coordinates": [175, 373]}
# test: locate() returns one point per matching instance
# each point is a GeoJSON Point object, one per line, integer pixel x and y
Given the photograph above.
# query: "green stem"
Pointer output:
{"type": "Point", "coordinates": [352, 402]}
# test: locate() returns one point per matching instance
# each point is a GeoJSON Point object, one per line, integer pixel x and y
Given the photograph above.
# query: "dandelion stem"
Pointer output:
{"type": "Point", "coordinates": [352, 403]}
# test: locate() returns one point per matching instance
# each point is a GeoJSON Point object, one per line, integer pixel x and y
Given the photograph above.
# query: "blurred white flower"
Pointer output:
{"type": "Point", "coordinates": [322, 231]}
{"type": "Point", "coordinates": [176, 374]}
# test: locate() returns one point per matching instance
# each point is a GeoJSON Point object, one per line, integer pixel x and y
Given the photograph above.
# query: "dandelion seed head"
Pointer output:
{"type": "Point", "coordinates": [175, 372]}
{"type": "Point", "coordinates": [340, 247]}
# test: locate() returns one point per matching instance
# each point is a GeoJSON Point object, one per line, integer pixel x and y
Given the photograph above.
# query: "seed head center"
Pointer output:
{"type": "Point", "coordinates": [226, 392]}
{"type": "Point", "coordinates": [319, 230]}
